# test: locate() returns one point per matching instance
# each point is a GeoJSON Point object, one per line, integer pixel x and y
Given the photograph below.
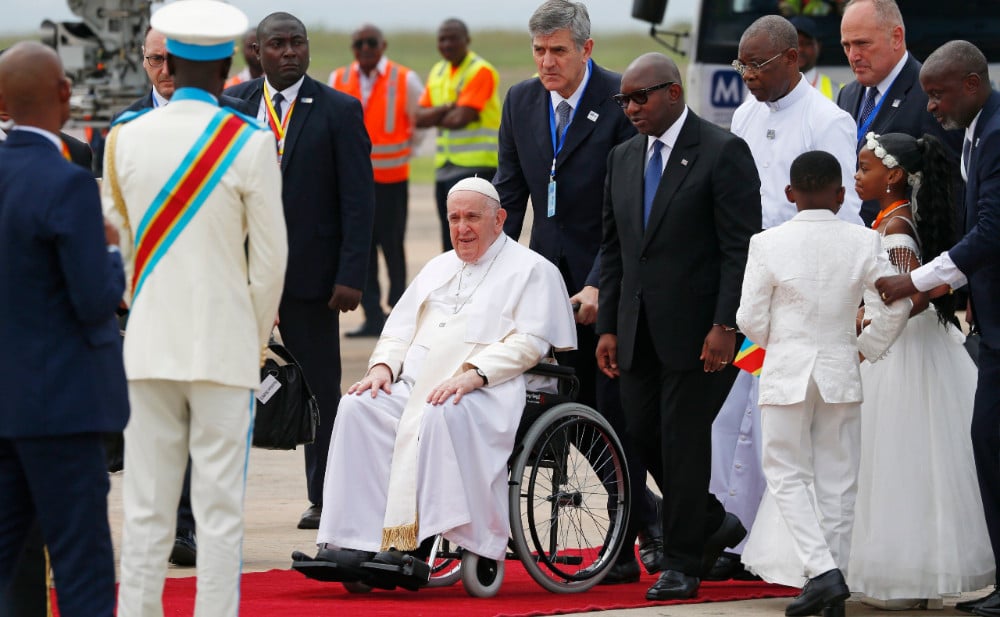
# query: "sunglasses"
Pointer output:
{"type": "Point", "coordinates": [370, 41]}
{"type": "Point", "coordinates": [639, 97]}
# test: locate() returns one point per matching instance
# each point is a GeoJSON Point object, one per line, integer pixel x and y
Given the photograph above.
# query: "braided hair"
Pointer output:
{"type": "Point", "coordinates": [928, 171]}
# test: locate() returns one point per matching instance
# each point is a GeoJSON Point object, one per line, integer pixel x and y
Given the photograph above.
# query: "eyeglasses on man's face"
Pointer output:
{"type": "Point", "coordinates": [370, 41]}
{"type": "Point", "coordinates": [756, 67]}
{"type": "Point", "coordinates": [639, 97]}
{"type": "Point", "coordinates": [155, 60]}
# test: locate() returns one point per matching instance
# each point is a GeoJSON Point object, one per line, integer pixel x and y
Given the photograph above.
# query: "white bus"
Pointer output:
{"type": "Point", "coordinates": [714, 90]}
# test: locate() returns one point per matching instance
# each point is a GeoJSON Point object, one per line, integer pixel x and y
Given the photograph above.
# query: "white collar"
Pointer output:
{"type": "Point", "coordinates": [290, 93]}
{"type": "Point", "coordinates": [380, 67]}
{"type": "Point", "coordinates": [793, 96]}
{"type": "Point", "coordinates": [970, 132]}
{"type": "Point", "coordinates": [55, 139]}
{"type": "Point", "coordinates": [884, 85]}
{"type": "Point", "coordinates": [815, 215]}
{"type": "Point", "coordinates": [669, 137]}
{"type": "Point", "coordinates": [574, 99]}
{"type": "Point", "coordinates": [812, 76]}
{"type": "Point", "coordinates": [158, 99]}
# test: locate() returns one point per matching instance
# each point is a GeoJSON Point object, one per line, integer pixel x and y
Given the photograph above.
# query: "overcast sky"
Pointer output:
{"type": "Point", "coordinates": [605, 15]}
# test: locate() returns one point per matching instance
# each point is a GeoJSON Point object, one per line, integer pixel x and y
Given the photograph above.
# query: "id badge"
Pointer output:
{"type": "Point", "coordinates": [552, 198]}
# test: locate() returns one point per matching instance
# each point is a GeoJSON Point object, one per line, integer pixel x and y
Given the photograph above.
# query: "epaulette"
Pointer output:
{"type": "Point", "coordinates": [128, 116]}
{"type": "Point", "coordinates": [254, 122]}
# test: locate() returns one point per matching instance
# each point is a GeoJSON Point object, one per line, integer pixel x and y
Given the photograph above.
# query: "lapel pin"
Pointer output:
{"type": "Point", "coordinates": [307, 100]}
{"type": "Point", "coordinates": [684, 162]}
{"type": "Point", "coordinates": [896, 102]}
{"type": "Point", "coordinates": [770, 133]}
{"type": "Point", "coordinates": [976, 145]}
{"type": "Point", "coordinates": [592, 116]}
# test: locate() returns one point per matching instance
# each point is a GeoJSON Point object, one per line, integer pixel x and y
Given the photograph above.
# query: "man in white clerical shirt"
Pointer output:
{"type": "Point", "coordinates": [430, 426]}
{"type": "Point", "coordinates": [783, 118]}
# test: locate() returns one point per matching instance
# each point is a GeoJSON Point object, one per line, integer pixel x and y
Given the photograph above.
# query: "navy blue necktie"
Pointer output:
{"type": "Point", "coordinates": [277, 100]}
{"type": "Point", "coordinates": [866, 109]}
{"type": "Point", "coordinates": [654, 170]}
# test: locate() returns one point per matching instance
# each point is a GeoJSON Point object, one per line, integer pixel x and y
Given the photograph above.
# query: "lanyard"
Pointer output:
{"type": "Point", "coordinates": [863, 129]}
{"type": "Point", "coordinates": [278, 126]}
{"type": "Point", "coordinates": [557, 144]}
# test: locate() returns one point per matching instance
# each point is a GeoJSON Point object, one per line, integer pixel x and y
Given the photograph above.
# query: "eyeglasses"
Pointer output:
{"type": "Point", "coordinates": [742, 69]}
{"type": "Point", "coordinates": [155, 61]}
{"type": "Point", "coordinates": [370, 41]}
{"type": "Point", "coordinates": [639, 97]}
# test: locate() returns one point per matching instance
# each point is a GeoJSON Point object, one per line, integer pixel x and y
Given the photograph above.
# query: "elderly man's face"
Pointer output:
{"type": "Point", "coordinates": [561, 64]}
{"type": "Point", "coordinates": [872, 49]}
{"type": "Point", "coordinates": [154, 54]}
{"type": "Point", "coordinates": [774, 79]}
{"type": "Point", "coordinates": [950, 97]}
{"type": "Point", "coordinates": [473, 223]}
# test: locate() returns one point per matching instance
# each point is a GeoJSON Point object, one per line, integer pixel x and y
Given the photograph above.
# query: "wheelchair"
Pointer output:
{"type": "Point", "coordinates": [569, 502]}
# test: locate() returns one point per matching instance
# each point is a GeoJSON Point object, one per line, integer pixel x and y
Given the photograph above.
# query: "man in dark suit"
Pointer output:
{"type": "Point", "coordinates": [557, 129]}
{"type": "Point", "coordinates": [329, 197]}
{"type": "Point", "coordinates": [66, 385]}
{"type": "Point", "coordinates": [886, 96]}
{"type": "Point", "coordinates": [956, 80]}
{"type": "Point", "coordinates": [672, 266]}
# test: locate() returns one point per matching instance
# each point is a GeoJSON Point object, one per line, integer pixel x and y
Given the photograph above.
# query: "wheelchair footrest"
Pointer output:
{"type": "Point", "coordinates": [411, 573]}
{"type": "Point", "coordinates": [327, 571]}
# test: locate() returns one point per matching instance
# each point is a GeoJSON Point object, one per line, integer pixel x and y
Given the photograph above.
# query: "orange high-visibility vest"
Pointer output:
{"type": "Point", "coordinates": [386, 119]}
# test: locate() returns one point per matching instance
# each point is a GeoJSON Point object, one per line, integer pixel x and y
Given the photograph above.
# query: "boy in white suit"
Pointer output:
{"type": "Point", "coordinates": [804, 281]}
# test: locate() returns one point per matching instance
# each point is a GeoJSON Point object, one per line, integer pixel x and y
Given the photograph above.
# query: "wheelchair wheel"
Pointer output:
{"type": "Point", "coordinates": [481, 577]}
{"type": "Point", "coordinates": [446, 569]}
{"type": "Point", "coordinates": [569, 498]}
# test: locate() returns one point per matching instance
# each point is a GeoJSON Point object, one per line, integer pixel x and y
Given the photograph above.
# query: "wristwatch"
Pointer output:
{"type": "Point", "coordinates": [481, 374]}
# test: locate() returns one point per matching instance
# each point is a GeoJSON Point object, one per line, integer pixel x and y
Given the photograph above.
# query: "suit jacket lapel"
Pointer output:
{"type": "Point", "coordinates": [895, 98]}
{"type": "Point", "coordinates": [991, 107]}
{"type": "Point", "coordinates": [538, 106]}
{"type": "Point", "coordinates": [300, 115]}
{"type": "Point", "coordinates": [679, 163]}
{"type": "Point", "coordinates": [582, 126]}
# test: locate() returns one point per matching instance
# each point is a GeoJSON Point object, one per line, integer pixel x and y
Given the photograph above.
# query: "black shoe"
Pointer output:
{"type": "Point", "coordinates": [622, 572]}
{"type": "Point", "coordinates": [310, 518]}
{"type": "Point", "coordinates": [971, 605]}
{"type": "Point", "coordinates": [392, 568]}
{"type": "Point", "coordinates": [185, 551]}
{"type": "Point", "coordinates": [332, 565]}
{"type": "Point", "coordinates": [651, 541]}
{"type": "Point", "coordinates": [729, 534]}
{"type": "Point", "coordinates": [989, 606]}
{"type": "Point", "coordinates": [826, 591]}
{"type": "Point", "coordinates": [673, 585]}
{"type": "Point", "coordinates": [729, 567]}
{"type": "Point", "coordinates": [370, 328]}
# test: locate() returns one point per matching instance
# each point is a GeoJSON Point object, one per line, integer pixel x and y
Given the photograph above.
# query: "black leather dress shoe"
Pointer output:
{"type": "Point", "coordinates": [310, 518]}
{"type": "Point", "coordinates": [971, 605]}
{"type": "Point", "coordinates": [185, 551]}
{"type": "Point", "coordinates": [370, 328]}
{"type": "Point", "coordinates": [651, 553]}
{"type": "Point", "coordinates": [823, 594]}
{"type": "Point", "coordinates": [729, 534]}
{"type": "Point", "coordinates": [989, 606]}
{"type": "Point", "coordinates": [626, 571]}
{"type": "Point", "coordinates": [392, 568]}
{"type": "Point", "coordinates": [673, 585]}
{"type": "Point", "coordinates": [729, 567]}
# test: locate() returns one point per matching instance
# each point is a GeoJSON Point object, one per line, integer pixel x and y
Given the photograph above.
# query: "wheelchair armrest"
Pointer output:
{"type": "Point", "coordinates": [569, 384]}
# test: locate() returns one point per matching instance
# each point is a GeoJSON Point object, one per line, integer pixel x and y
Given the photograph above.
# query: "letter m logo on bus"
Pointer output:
{"type": "Point", "coordinates": [727, 89]}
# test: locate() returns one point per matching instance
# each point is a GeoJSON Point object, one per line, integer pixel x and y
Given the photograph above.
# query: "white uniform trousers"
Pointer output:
{"type": "Point", "coordinates": [461, 474]}
{"type": "Point", "coordinates": [814, 445]}
{"type": "Point", "coordinates": [170, 419]}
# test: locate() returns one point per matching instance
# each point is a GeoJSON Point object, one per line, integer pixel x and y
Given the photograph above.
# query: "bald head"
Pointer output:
{"type": "Point", "coordinates": [652, 94]}
{"type": "Point", "coordinates": [34, 90]}
{"type": "Point", "coordinates": [960, 57]}
{"type": "Point", "coordinates": [957, 82]}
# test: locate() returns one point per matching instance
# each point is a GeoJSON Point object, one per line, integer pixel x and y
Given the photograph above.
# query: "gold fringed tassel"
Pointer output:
{"type": "Point", "coordinates": [401, 538]}
{"type": "Point", "coordinates": [48, 584]}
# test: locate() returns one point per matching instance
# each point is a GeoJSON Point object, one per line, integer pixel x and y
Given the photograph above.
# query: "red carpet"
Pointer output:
{"type": "Point", "coordinates": [286, 593]}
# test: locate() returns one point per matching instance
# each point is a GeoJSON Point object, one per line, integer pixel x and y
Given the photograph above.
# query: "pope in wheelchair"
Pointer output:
{"type": "Point", "coordinates": [420, 445]}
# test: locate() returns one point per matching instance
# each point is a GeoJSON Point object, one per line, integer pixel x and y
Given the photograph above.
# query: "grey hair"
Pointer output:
{"type": "Point", "coordinates": [780, 32]}
{"type": "Point", "coordinates": [961, 56]}
{"type": "Point", "coordinates": [555, 15]}
{"type": "Point", "coordinates": [886, 12]}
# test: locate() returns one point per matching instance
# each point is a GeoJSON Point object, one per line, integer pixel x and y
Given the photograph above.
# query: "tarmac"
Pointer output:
{"type": "Point", "coordinates": [275, 493]}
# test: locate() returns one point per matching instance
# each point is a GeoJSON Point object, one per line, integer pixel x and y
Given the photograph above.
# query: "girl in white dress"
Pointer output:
{"type": "Point", "coordinates": [919, 528]}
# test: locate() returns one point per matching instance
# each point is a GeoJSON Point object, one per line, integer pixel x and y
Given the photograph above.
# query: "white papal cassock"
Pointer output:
{"type": "Point", "coordinates": [500, 314]}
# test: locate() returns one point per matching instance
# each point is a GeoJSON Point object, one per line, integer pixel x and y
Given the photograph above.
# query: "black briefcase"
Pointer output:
{"type": "Point", "coordinates": [289, 414]}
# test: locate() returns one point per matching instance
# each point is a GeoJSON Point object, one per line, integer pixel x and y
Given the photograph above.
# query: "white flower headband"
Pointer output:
{"type": "Point", "coordinates": [871, 142]}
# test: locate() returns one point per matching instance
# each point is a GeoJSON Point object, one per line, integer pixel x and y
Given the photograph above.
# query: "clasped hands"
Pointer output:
{"type": "Point", "coordinates": [379, 378]}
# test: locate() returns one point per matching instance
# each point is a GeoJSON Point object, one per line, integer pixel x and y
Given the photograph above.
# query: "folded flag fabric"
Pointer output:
{"type": "Point", "coordinates": [750, 357]}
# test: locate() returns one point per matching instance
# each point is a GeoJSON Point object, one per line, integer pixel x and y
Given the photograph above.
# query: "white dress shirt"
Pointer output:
{"type": "Point", "coordinates": [290, 93]}
{"type": "Point", "coordinates": [574, 99]}
{"type": "Point", "coordinates": [779, 131]}
{"type": "Point", "coordinates": [669, 139]}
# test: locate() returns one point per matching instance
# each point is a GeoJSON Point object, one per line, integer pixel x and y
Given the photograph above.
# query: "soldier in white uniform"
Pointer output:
{"type": "Point", "coordinates": [196, 192]}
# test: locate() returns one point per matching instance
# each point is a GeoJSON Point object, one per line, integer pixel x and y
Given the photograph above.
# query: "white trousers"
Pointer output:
{"type": "Point", "coordinates": [170, 419]}
{"type": "Point", "coordinates": [813, 447]}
